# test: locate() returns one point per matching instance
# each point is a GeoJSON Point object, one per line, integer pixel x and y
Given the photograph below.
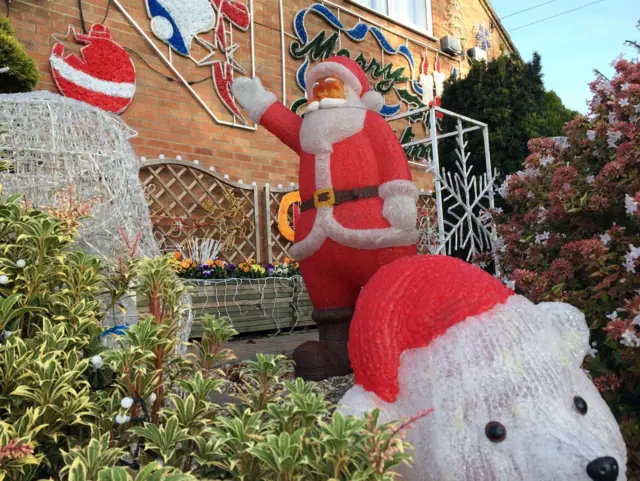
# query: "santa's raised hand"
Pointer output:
{"type": "Point", "coordinates": [358, 200]}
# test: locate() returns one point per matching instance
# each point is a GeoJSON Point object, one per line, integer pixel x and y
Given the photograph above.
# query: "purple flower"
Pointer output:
{"type": "Point", "coordinates": [207, 272]}
{"type": "Point", "coordinates": [230, 267]}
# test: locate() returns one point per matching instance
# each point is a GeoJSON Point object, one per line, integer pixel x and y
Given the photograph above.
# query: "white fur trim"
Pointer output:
{"type": "Point", "coordinates": [84, 80]}
{"type": "Point", "coordinates": [313, 106]}
{"type": "Point", "coordinates": [251, 95]}
{"type": "Point", "coordinates": [357, 402]}
{"type": "Point", "coordinates": [400, 187]}
{"type": "Point", "coordinates": [401, 233]}
{"type": "Point", "coordinates": [330, 103]}
{"type": "Point", "coordinates": [328, 68]}
{"type": "Point", "coordinates": [261, 104]}
{"type": "Point", "coordinates": [323, 128]}
{"type": "Point", "coordinates": [323, 171]}
{"type": "Point", "coordinates": [401, 212]}
{"type": "Point", "coordinates": [373, 100]}
{"type": "Point", "coordinates": [327, 227]}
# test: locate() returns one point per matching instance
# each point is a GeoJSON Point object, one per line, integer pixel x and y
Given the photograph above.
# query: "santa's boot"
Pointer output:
{"type": "Point", "coordinates": [328, 357]}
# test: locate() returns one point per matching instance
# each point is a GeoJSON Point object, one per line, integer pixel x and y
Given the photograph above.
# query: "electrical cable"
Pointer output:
{"type": "Point", "coordinates": [166, 77]}
{"type": "Point", "coordinates": [131, 51]}
{"type": "Point", "coordinates": [554, 16]}
{"type": "Point", "coordinates": [82, 23]}
{"type": "Point", "coordinates": [527, 9]}
{"type": "Point", "coordinates": [106, 14]}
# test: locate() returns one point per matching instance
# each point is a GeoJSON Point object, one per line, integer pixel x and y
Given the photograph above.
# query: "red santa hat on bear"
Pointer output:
{"type": "Point", "coordinates": [416, 308]}
{"type": "Point", "coordinates": [353, 77]}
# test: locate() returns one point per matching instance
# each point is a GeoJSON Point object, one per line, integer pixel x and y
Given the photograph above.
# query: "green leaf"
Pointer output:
{"type": "Point", "coordinates": [114, 474]}
{"type": "Point", "coordinates": [78, 471]}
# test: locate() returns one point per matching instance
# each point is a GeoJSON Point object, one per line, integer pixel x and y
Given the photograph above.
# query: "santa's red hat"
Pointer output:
{"type": "Point", "coordinates": [353, 76]}
{"type": "Point", "coordinates": [406, 305]}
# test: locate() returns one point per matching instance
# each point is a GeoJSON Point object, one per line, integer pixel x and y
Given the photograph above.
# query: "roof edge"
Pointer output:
{"type": "Point", "coordinates": [496, 20]}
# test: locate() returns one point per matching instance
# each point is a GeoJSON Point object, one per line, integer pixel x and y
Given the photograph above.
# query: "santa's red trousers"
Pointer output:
{"type": "Point", "coordinates": [335, 273]}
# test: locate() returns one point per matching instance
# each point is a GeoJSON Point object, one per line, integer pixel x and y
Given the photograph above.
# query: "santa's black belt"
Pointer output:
{"type": "Point", "coordinates": [330, 197]}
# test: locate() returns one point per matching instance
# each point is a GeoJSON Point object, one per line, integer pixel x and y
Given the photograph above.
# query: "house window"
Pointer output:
{"type": "Point", "coordinates": [412, 13]}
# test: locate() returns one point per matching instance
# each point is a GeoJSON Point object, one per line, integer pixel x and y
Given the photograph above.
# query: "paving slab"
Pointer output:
{"type": "Point", "coordinates": [246, 350]}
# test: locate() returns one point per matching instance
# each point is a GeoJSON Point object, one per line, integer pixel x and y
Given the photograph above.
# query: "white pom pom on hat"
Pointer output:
{"type": "Point", "coordinates": [354, 78]}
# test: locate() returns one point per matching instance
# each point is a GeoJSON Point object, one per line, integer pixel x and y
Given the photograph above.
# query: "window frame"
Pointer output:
{"type": "Point", "coordinates": [428, 32]}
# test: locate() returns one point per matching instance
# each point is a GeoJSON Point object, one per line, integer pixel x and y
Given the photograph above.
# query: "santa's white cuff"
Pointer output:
{"type": "Point", "coordinates": [396, 188]}
{"type": "Point", "coordinates": [260, 104]}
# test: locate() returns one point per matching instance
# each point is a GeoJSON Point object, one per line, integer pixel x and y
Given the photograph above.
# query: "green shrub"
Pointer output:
{"type": "Point", "coordinates": [23, 75]}
{"type": "Point", "coordinates": [573, 235]}
{"type": "Point", "coordinates": [73, 409]}
{"type": "Point", "coordinates": [507, 94]}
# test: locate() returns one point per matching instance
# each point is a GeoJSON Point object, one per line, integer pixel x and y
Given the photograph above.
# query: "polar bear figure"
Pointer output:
{"type": "Point", "coordinates": [503, 376]}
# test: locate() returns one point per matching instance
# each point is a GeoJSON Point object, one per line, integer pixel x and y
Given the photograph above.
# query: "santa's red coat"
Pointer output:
{"type": "Point", "coordinates": [341, 247]}
{"type": "Point", "coordinates": [371, 157]}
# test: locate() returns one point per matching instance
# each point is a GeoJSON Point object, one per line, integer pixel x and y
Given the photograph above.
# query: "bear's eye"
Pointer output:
{"type": "Point", "coordinates": [580, 405]}
{"type": "Point", "coordinates": [496, 432]}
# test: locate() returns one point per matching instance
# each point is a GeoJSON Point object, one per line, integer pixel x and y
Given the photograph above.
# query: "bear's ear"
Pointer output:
{"type": "Point", "coordinates": [572, 326]}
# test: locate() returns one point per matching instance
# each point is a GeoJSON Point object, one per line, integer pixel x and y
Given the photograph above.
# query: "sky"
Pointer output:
{"type": "Point", "coordinates": [575, 44]}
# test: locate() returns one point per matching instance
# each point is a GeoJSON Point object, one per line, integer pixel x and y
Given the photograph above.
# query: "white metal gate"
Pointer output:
{"type": "Point", "coordinates": [467, 197]}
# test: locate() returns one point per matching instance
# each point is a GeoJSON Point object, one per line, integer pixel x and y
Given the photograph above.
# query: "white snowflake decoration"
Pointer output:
{"type": "Point", "coordinates": [473, 194]}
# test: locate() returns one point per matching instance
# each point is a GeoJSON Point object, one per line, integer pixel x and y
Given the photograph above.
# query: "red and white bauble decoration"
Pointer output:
{"type": "Point", "coordinates": [104, 76]}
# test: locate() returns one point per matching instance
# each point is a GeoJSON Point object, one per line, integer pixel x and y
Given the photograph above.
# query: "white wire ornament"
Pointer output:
{"type": "Point", "coordinates": [56, 144]}
{"type": "Point", "coordinates": [468, 198]}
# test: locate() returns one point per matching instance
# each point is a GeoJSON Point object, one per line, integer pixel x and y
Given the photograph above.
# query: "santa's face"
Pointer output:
{"type": "Point", "coordinates": [328, 87]}
{"type": "Point", "coordinates": [334, 114]}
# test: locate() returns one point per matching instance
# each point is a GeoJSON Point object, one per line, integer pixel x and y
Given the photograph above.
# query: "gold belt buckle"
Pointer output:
{"type": "Point", "coordinates": [324, 198]}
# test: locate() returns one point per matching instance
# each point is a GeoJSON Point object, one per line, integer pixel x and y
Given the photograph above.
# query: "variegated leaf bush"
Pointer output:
{"type": "Point", "coordinates": [70, 408]}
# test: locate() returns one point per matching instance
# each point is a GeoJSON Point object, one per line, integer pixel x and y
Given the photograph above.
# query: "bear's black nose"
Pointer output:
{"type": "Point", "coordinates": [603, 469]}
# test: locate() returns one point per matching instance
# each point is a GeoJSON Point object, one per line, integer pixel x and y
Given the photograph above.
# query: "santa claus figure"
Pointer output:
{"type": "Point", "coordinates": [358, 201]}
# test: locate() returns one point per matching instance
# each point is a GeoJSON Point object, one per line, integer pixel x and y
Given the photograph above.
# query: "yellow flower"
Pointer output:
{"type": "Point", "coordinates": [246, 269]}
{"type": "Point", "coordinates": [257, 268]}
{"type": "Point", "coordinates": [209, 262]}
{"type": "Point", "coordinates": [186, 263]}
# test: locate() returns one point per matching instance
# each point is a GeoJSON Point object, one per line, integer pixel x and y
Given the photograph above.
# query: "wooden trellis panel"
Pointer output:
{"type": "Point", "coordinates": [187, 200]}
{"type": "Point", "coordinates": [278, 246]}
{"type": "Point", "coordinates": [427, 224]}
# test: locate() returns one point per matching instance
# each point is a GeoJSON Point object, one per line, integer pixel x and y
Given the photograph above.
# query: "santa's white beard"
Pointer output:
{"type": "Point", "coordinates": [330, 121]}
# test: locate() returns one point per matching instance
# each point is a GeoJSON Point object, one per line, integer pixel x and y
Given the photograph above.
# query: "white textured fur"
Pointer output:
{"type": "Point", "coordinates": [518, 364]}
{"type": "Point", "coordinates": [327, 126]}
{"type": "Point", "coordinates": [320, 130]}
{"type": "Point", "coordinates": [324, 69]}
{"type": "Point", "coordinates": [251, 95]}
{"type": "Point", "coordinates": [373, 100]}
{"type": "Point", "coordinates": [399, 187]}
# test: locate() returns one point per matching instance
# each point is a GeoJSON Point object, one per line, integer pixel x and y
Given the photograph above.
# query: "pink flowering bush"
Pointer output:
{"type": "Point", "coordinates": [573, 235]}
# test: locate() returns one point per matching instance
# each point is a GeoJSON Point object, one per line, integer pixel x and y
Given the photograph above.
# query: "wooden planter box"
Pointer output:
{"type": "Point", "coordinates": [252, 305]}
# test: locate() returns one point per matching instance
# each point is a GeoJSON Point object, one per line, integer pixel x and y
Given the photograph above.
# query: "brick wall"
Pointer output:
{"type": "Point", "coordinates": [167, 117]}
